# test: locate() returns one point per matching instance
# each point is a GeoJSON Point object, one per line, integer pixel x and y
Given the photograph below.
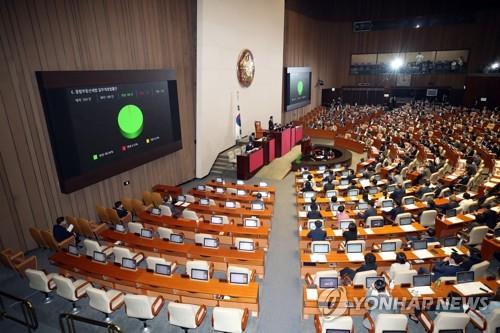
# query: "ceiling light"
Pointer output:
{"type": "Point", "coordinates": [396, 63]}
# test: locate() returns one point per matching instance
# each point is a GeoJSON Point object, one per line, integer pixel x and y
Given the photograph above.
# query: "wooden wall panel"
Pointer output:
{"type": "Point", "coordinates": [327, 46]}
{"type": "Point", "coordinates": [83, 35]}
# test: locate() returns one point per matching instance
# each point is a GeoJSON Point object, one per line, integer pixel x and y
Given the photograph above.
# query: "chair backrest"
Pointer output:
{"type": "Point", "coordinates": [337, 323]}
{"type": "Point", "coordinates": [360, 277]}
{"type": "Point", "coordinates": [102, 214]}
{"type": "Point", "coordinates": [390, 322]}
{"type": "Point", "coordinates": [98, 299]}
{"type": "Point", "coordinates": [138, 306]}
{"type": "Point", "coordinates": [91, 246]}
{"type": "Point", "coordinates": [400, 216]}
{"type": "Point", "coordinates": [322, 274]}
{"type": "Point", "coordinates": [373, 218]}
{"type": "Point", "coordinates": [38, 280]}
{"type": "Point", "coordinates": [228, 319]}
{"type": "Point", "coordinates": [165, 210]}
{"type": "Point", "coordinates": [477, 234]}
{"type": "Point", "coordinates": [404, 277]}
{"type": "Point", "coordinates": [65, 287]}
{"type": "Point", "coordinates": [85, 228]}
{"type": "Point", "coordinates": [190, 198]}
{"type": "Point", "coordinates": [113, 216]}
{"type": "Point", "coordinates": [493, 321]}
{"type": "Point", "coordinates": [152, 261]}
{"type": "Point", "coordinates": [127, 204]}
{"type": "Point", "coordinates": [198, 238]}
{"type": "Point", "coordinates": [135, 227]}
{"type": "Point", "coordinates": [480, 269]}
{"type": "Point", "coordinates": [428, 218]}
{"type": "Point", "coordinates": [122, 252]}
{"type": "Point", "coordinates": [428, 196]}
{"type": "Point", "coordinates": [147, 198]}
{"type": "Point", "coordinates": [190, 215]}
{"type": "Point", "coordinates": [37, 237]}
{"type": "Point", "coordinates": [196, 264]}
{"type": "Point", "coordinates": [358, 241]}
{"type": "Point", "coordinates": [238, 269]}
{"type": "Point", "coordinates": [48, 238]}
{"type": "Point", "coordinates": [450, 321]}
{"type": "Point", "coordinates": [74, 222]}
{"type": "Point", "coordinates": [183, 315]}
{"type": "Point", "coordinates": [137, 206]}
{"type": "Point", "coordinates": [445, 192]}
{"type": "Point", "coordinates": [156, 199]}
{"type": "Point", "coordinates": [164, 233]}
{"type": "Point", "coordinates": [231, 190]}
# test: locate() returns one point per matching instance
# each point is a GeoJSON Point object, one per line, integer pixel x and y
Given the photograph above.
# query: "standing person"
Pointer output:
{"type": "Point", "coordinates": [271, 123]}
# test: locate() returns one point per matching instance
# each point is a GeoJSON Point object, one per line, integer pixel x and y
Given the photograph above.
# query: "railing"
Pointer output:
{"type": "Point", "coordinates": [67, 323]}
{"type": "Point", "coordinates": [29, 319]}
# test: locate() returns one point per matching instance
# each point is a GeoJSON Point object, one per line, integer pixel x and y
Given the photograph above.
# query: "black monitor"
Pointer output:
{"type": "Point", "coordinates": [409, 201]}
{"type": "Point", "coordinates": [362, 206]}
{"type": "Point", "coordinates": [99, 257]}
{"type": "Point", "coordinates": [328, 282]}
{"type": "Point", "coordinates": [162, 269]}
{"type": "Point", "coordinates": [238, 278]}
{"type": "Point", "coordinates": [199, 274]}
{"type": "Point", "coordinates": [451, 212]}
{"type": "Point", "coordinates": [387, 204]}
{"type": "Point", "coordinates": [354, 248]}
{"type": "Point", "coordinates": [119, 227]}
{"type": "Point", "coordinates": [215, 219]}
{"type": "Point", "coordinates": [147, 233]}
{"type": "Point", "coordinates": [210, 242]}
{"type": "Point", "coordinates": [320, 248]}
{"type": "Point", "coordinates": [257, 206]}
{"type": "Point", "coordinates": [405, 220]}
{"type": "Point", "coordinates": [450, 241]}
{"type": "Point", "coordinates": [388, 247]}
{"type": "Point", "coordinates": [377, 223]}
{"type": "Point", "coordinates": [372, 190]}
{"type": "Point", "coordinates": [246, 246]}
{"type": "Point", "coordinates": [463, 277]}
{"type": "Point", "coordinates": [129, 263]}
{"type": "Point", "coordinates": [73, 250]}
{"type": "Point", "coordinates": [422, 280]}
{"type": "Point", "coordinates": [251, 223]}
{"type": "Point", "coordinates": [419, 245]}
{"type": "Point", "coordinates": [177, 238]}
{"type": "Point", "coordinates": [453, 331]}
{"type": "Point", "coordinates": [372, 279]}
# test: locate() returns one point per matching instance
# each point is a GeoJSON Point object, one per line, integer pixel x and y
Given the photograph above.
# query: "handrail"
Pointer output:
{"type": "Point", "coordinates": [30, 320]}
{"type": "Point", "coordinates": [67, 323]}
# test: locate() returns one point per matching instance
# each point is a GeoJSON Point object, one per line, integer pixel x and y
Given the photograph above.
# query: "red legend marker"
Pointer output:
{"type": "Point", "coordinates": [124, 148]}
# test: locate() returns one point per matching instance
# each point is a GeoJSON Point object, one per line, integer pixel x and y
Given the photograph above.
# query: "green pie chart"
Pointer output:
{"type": "Point", "coordinates": [300, 87]}
{"type": "Point", "coordinates": [130, 121]}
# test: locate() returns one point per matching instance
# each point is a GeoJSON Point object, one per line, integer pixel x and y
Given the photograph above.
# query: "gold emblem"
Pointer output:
{"type": "Point", "coordinates": [246, 68]}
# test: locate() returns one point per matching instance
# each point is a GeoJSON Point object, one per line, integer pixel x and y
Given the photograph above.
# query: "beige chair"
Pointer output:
{"type": "Point", "coordinates": [17, 261]}
{"type": "Point", "coordinates": [480, 269]}
{"type": "Point", "coordinates": [360, 277]}
{"type": "Point", "coordinates": [135, 227]}
{"type": "Point", "coordinates": [428, 218]}
{"type": "Point", "coordinates": [190, 215]}
{"type": "Point", "coordinates": [37, 237]}
{"type": "Point", "coordinates": [71, 290]}
{"type": "Point", "coordinates": [151, 263]}
{"type": "Point", "coordinates": [387, 322]}
{"type": "Point", "coordinates": [156, 199]}
{"type": "Point", "coordinates": [190, 198]}
{"type": "Point", "coordinates": [476, 235]}
{"type": "Point", "coordinates": [41, 281]}
{"type": "Point", "coordinates": [123, 252]}
{"type": "Point", "coordinates": [186, 316]}
{"type": "Point", "coordinates": [485, 325]}
{"type": "Point", "coordinates": [102, 214]}
{"type": "Point", "coordinates": [428, 196]}
{"type": "Point", "coordinates": [314, 279]}
{"type": "Point", "coordinates": [401, 216]}
{"type": "Point", "coordinates": [199, 238]}
{"type": "Point", "coordinates": [104, 301]}
{"type": "Point", "coordinates": [342, 323]}
{"type": "Point", "coordinates": [51, 242]}
{"type": "Point", "coordinates": [90, 229]}
{"type": "Point", "coordinates": [127, 204]}
{"type": "Point", "coordinates": [404, 277]}
{"type": "Point", "coordinates": [230, 320]}
{"type": "Point", "coordinates": [165, 210]}
{"type": "Point", "coordinates": [115, 219]}
{"type": "Point", "coordinates": [199, 264]}
{"type": "Point", "coordinates": [444, 321]}
{"type": "Point", "coordinates": [238, 240]}
{"type": "Point", "coordinates": [164, 233]}
{"type": "Point", "coordinates": [238, 269]}
{"type": "Point", "coordinates": [373, 218]}
{"type": "Point", "coordinates": [92, 246]}
{"type": "Point", "coordinates": [143, 307]}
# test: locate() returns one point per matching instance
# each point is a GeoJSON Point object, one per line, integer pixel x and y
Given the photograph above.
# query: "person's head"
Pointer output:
{"type": "Point", "coordinates": [309, 177]}
{"type": "Point", "coordinates": [118, 204]}
{"type": "Point", "coordinates": [400, 257]}
{"type": "Point", "coordinates": [314, 207]}
{"type": "Point", "coordinates": [431, 232]}
{"type": "Point", "coordinates": [427, 183]}
{"type": "Point", "coordinates": [379, 285]}
{"type": "Point", "coordinates": [271, 118]}
{"type": "Point", "coordinates": [317, 224]}
{"type": "Point", "coordinates": [259, 196]}
{"type": "Point", "coordinates": [466, 195]}
{"type": "Point", "coordinates": [456, 258]}
{"type": "Point", "coordinates": [352, 227]}
{"type": "Point", "coordinates": [341, 209]}
{"type": "Point", "coordinates": [370, 258]}
{"type": "Point", "coordinates": [333, 199]}
{"type": "Point", "coordinates": [371, 203]}
{"type": "Point", "coordinates": [313, 200]}
{"type": "Point", "coordinates": [60, 220]}
{"type": "Point", "coordinates": [453, 197]}
{"type": "Point", "coordinates": [329, 180]}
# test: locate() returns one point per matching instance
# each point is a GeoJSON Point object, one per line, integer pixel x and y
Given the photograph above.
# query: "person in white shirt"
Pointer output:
{"type": "Point", "coordinates": [466, 203]}
{"type": "Point", "coordinates": [401, 264]}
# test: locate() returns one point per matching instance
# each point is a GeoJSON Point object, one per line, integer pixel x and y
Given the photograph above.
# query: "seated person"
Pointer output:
{"type": "Point", "coordinates": [308, 185]}
{"type": "Point", "coordinates": [333, 202]}
{"type": "Point", "coordinates": [489, 217]}
{"type": "Point", "coordinates": [450, 205]}
{"type": "Point", "coordinates": [398, 194]}
{"type": "Point", "coordinates": [429, 236]}
{"type": "Point", "coordinates": [371, 211]}
{"type": "Point", "coordinates": [395, 211]}
{"type": "Point", "coordinates": [449, 266]}
{"type": "Point", "coordinates": [120, 210]}
{"type": "Point", "coordinates": [249, 146]}
{"type": "Point", "coordinates": [424, 189]}
{"type": "Point", "coordinates": [378, 301]}
{"type": "Point", "coordinates": [314, 212]}
{"type": "Point", "coordinates": [317, 234]}
{"type": "Point", "coordinates": [370, 264]}
{"type": "Point", "coordinates": [251, 137]}
{"type": "Point", "coordinates": [60, 230]}
{"type": "Point", "coordinates": [466, 202]}
{"type": "Point", "coordinates": [341, 214]}
{"type": "Point", "coordinates": [258, 200]}
{"type": "Point", "coordinates": [328, 186]}
{"type": "Point", "coordinates": [401, 264]}
{"type": "Point", "coordinates": [351, 233]}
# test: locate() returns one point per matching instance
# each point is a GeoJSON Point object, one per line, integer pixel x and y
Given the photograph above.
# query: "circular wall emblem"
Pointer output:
{"type": "Point", "coordinates": [246, 68]}
{"type": "Point", "coordinates": [130, 121]}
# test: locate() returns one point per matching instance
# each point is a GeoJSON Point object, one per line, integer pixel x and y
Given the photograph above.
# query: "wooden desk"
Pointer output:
{"type": "Point", "coordinates": [174, 288]}
{"type": "Point", "coordinates": [223, 197]}
{"type": "Point", "coordinates": [489, 247]}
{"type": "Point", "coordinates": [446, 228]}
{"type": "Point", "coordinates": [172, 190]}
{"type": "Point", "coordinates": [237, 212]}
{"type": "Point", "coordinates": [246, 187]}
{"type": "Point", "coordinates": [221, 257]}
{"type": "Point", "coordinates": [362, 165]}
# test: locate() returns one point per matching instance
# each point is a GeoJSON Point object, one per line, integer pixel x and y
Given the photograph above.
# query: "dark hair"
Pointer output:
{"type": "Point", "coordinates": [431, 232]}
{"type": "Point", "coordinates": [466, 195]}
{"type": "Point", "coordinates": [309, 177]}
{"type": "Point", "coordinates": [60, 220]}
{"type": "Point", "coordinates": [427, 183]}
{"type": "Point", "coordinates": [118, 204]}
{"type": "Point", "coordinates": [400, 257]}
{"type": "Point", "coordinates": [317, 223]}
{"type": "Point", "coordinates": [457, 257]}
{"type": "Point", "coordinates": [259, 196]}
{"type": "Point", "coordinates": [314, 206]}
{"type": "Point", "coordinates": [352, 227]}
{"type": "Point", "coordinates": [370, 258]}
{"type": "Point", "coordinates": [340, 208]}
{"type": "Point", "coordinates": [379, 284]}
{"type": "Point", "coordinates": [371, 203]}
{"type": "Point", "coordinates": [333, 199]}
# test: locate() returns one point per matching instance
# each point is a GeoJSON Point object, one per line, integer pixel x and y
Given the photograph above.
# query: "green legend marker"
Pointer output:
{"type": "Point", "coordinates": [130, 121]}
{"type": "Point", "coordinates": [300, 87]}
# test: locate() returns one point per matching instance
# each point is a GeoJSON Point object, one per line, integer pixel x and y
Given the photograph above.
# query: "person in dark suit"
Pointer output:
{"type": "Point", "coordinates": [450, 205]}
{"type": "Point", "coordinates": [371, 211]}
{"type": "Point", "coordinates": [271, 123]}
{"type": "Point", "coordinates": [370, 264]}
{"type": "Point", "coordinates": [351, 233]}
{"type": "Point", "coordinates": [489, 217]}
{"type": "Point", "coordinates": [398, 194]}
{"type": "Point", "coordinates": [60, 230]}
{"type": "Point", "coordinates": [314, 212]}
{"type": "Point", "coordinates": [317, 234]}
{"type": "Point", "coordinates": [449, 266]}
{"type": "Point", "coordinates": [328, 186]}
{"type": "Point", "coordinates": [308, 185]}
{"type": "Point", "coordinates": [395, 211]}
{"type": "Point", "coordinates": [424, 189]}
{"type": "Point", "coordinates": [120, 210]}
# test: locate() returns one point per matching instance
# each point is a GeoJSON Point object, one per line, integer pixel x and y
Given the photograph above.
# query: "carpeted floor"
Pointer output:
{"type": "Point", "coordinates": [280, 167]}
